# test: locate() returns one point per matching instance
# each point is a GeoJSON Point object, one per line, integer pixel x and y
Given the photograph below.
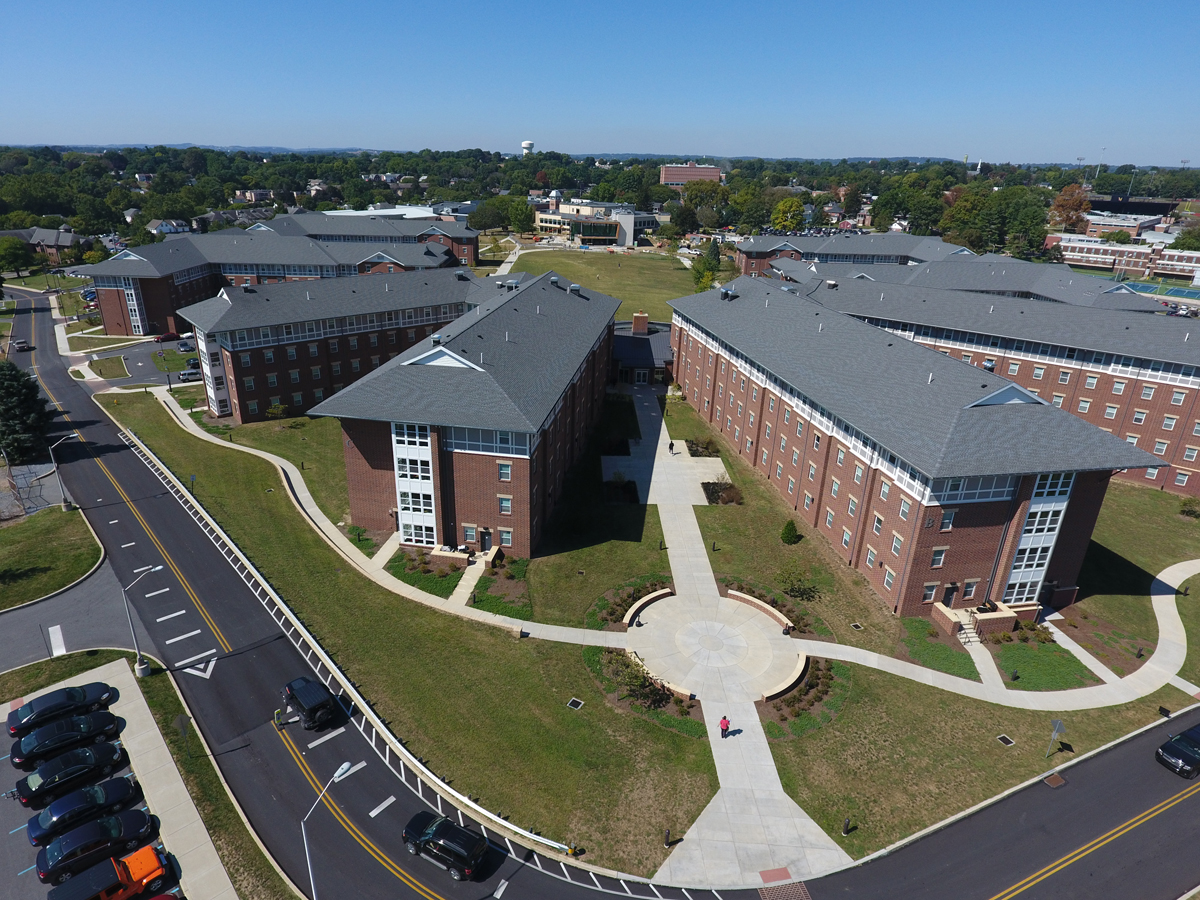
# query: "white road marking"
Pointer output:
{"type": "Point", "coordinates": [500, 889]}
{"type": "Point", "coordinates": [327, 737]}
{"type": "Point", "coordinates": [143, 569]}
{"type": "Point", "coordinates": [190, 659]}
{"type": "Point", "coordinates": [382, 806]}
{"type": "Point", "coordinates": [156, 593]}
{"type": "Point", "coordinates": [203, 671]}
{"type": "Point", "coordinates": [130, 544]}
{"type": "Point", "coordinates": [182, 637]}
{"type": "Point", "coordinates": [57, 647]}
{"type": "Point", "coordinates": [171, 616]}
{"type": "Point", "coordinates": [114, 522]}
{"type": "Point", "coordinates": [352, 770]}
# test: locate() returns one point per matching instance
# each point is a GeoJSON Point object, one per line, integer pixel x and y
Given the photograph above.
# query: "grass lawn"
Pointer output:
{"type": "Point", "coordinates": [85, 342]}
{"type": "Point", "coordinates": [41, 282]}
{"type": "Point", "coordinates": [403, 566]}
{"type": "Point", "coordinates": [607, 780]}
{"type": "Point", "coordinates": [1042, 667]}
{"type": "Point", "coordinates": [44, 552]}
{"type": "Point", "coordinates": [933, 653]}
{"type": "Point", "coordinates": [902, 756]}
{"type": "Point", "coordinates": [641, 280]}
{"type": "Point", "coordinates": [591, 546]}
{"type": "Point", "coordinates": [171, 360]}
{"type": "Point", "coordinates": [250, 871]}
{"type": "Point", "coordinates": [1189, 612]}
{"type": "Point", "coordinates": [109, 367]}
{"type": "Point", "coordinates": [749, 547]}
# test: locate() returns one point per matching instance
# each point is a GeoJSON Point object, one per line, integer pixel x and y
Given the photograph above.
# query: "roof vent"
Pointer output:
{"type": "Point", "coordinates": [554, 280]}
{"type": "Point", "coordinates": [460, 274]}
{"type": "Point", "coordinates": [832, 285]}
{"type": "Point", "coordinates": [437, 339]}
{"type": "Point", "coordinates": [575, 289]}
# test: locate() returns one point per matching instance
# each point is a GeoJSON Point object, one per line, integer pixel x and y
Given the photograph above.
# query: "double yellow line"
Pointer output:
{"type": "Point", "coordinates": [350, 827]}
{"type": "Point", "coordinates": [1099, 842]}
{"type": "Point", "coordinates": [137, 515]}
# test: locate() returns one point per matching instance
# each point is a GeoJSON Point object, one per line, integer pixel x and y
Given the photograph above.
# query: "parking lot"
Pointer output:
{"type": "Point", "coordinates": [177, 822]}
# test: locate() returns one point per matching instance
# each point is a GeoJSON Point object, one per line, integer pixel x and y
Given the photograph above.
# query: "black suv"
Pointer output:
{"type": "Point", "coordinates": [311, 700]}
{"type": "Point", "coordinates": [1181, 754]}
{"type": "Point", "coordinates": [445, 844]}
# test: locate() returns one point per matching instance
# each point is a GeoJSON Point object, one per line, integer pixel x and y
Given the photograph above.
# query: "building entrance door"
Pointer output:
{"type": "Point", "coordinates": [948, 597]}
{"type": "Point", "coordinates": [485, 540]}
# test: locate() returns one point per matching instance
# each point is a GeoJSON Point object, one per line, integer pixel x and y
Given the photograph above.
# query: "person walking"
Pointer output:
{"type": "Point", "coordinates": [724, 727]}
{"type": "Point", "coordinates": [671, 447]}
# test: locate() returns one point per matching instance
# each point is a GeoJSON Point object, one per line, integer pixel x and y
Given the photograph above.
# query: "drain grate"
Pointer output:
{"type": "Point", "coordinates": [856, 626]}
{"type": "Point", "coordinates": [794, 891]}
{"type": "Point", "coordinates": [1005, 740]}
{"type": "Point", "coordinates": [575, 703]}
{"type": "Point", "coordinates": [1054, 780]}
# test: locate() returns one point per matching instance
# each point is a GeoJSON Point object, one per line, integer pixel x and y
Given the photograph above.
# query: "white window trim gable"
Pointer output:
{"type": "Point", "coordinates": [378, 257]}
{"type": "Point", "coordinates": [259, 226]}
{"type": "Point", "coordinates": [441, 356]}
{"type": "Point", "coordinates": [1009, 393]}
{"type": "Point", "coordinates": [126, 255]}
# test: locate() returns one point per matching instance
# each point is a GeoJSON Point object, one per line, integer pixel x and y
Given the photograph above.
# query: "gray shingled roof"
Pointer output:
{"type": "Point", "coordinates": [149, 260]}
{"type": "Point", "coordinates": [1165, 338]}
{"type": "Point", "coordinates": [305, 301]}
{"type": "Point", "coordinates": [549, 331]}
{"type": "Point", "coordinates": [882, 244]}
{"type": "Point", "coordinates": [383, 227]}
{"type": "Point", "coordinates": [880, 384]}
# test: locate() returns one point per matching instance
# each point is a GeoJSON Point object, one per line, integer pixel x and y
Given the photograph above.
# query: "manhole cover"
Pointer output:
{"type": "Point", "coordinates": [575, 703]}
{"type": "Point", "coordinates": [1054, 780]}
{"type": "Point", "coordinates": [856, 626]}
{"type": "Point", "coordinates": [1005, 740]}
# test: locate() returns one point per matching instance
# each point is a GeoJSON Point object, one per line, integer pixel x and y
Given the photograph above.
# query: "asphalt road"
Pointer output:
{"type": "Point", "coordinates": [1121, 826]}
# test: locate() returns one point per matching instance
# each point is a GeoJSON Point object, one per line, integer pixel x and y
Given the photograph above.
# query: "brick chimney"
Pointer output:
{"type": "Point", "coordinates": [641, 323]}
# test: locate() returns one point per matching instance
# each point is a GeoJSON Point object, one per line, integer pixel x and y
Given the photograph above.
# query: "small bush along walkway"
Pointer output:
{"type": "Point", "coordinates": [814, 702]}
{"type": "Point", "coordinates": [629, 687]}
{"type": "Point", "coordinates": [435, 576]}
{"type": "Point", "coordinates": [504, 590]}
{"type": "Point", "coordinates": [807, 624]}
{"type": "Point", "coordinates": [609, 611]}
{"type": "Point", "coordinates": [929, 646]}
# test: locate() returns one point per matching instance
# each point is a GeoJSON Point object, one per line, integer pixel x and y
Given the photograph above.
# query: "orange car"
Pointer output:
{"type": "Point", "coordinates": [117, 879]}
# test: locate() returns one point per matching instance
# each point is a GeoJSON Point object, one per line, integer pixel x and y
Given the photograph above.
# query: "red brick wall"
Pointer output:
{"type": "Point", "coordinates": [1075, 533]}
{"type": "Point", "coordinates": [370, 473]}
{"type": "Point", "coordinates": [470, 488]}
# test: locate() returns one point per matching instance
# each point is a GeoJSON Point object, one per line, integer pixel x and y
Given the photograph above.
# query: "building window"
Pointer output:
{"type": "Point", "coordinates": [1196, 428]}
{"type": "Point", "coordinates": [852, 507]}
{"type": "Point", "coordinates": [764, 453]}
{"type": "Point", "coordinates": [1160, 448]}
{"type": "Point", "coordinates": [845, 537]}
{"type": "Point", "coordinates": [808, 500]}
{"type": "Point", "coordinates": [505, 537]}
{"type": "Point", "coordinates": [877, 527]}
{"type": "Point", "coordinates": [739, 410]}
{"type": "Point", "coordinates": [834, 486]}
{"type": "Point", "coordinates": [1190, 454]}
{"type": "Point", "coordinates": [468, 534]}
{"type": "Point", "coordinates": [291, 352]}
{"type": "Point", "coordinates": [1181, 478]}
{"type": "Point", "coordinates": [750, 421]}
{"type": "Point", "coordinates": [969, 589]}
{"type": "Point", "coordinates": [333, 346]}
{"type": "Point", "coordinates": [1014, 368]}
{"type": "Point", "coordinates": [841, 455]}
{"type": "Point", "coordinates": [269, 356]}
{"type": "Point", "coordinates": [245, 360]}
{"type": "Point", "coordinates": [297, 399]}
{"type": "Point", "coordinates": [294, 376]}
{"type": "Point", "coordinates": [884, 489]}
{"type": "Point", "coordinates": [1038, 372]}
{"type": "Point", "coordinates": [771, 404]}
{"type": "Point", "coordinates": [249, 383]}
{"type": "Point", "coordinates": [353, 343]}
{"type": "Point", "coordinates": [897, 543]}
{"type": "Point", "coordinates": [1110, 412]}
{"type": "Point", "coordinates": [929, 593]}
{"type": "Point", "coordinates": [1169, 423]}
{"type": "Point", "coordinates": [1177, 398]}
{"type": "Point", "coordinates": [1084, 405]}
{"type": "Point", "coordinates": [939, 558]}
{"type": "Point", "coordinates": [1064, 377]}
{"type": "Point", "coordinates": [1118, 387]}
{"type": "Point", "coordinates": [1057, 401]}
{"type": "Point", "coordinates": [782, 444]}
{"type": "Point", "coordinates": [870, 557]}
{"type": "Point", "coordinates": [795, 457]}
{"type": "Point", "coordinates": [252, 407]}
{"type": "Point", "coordinates": [272, 380]}
{"type": "Point", "coordinates": [768, 432]}
{"type": "Point", "coordinates": [1131, 439]}
{"type": "Point", "coordinates": [335, 368]}
{"type": "Point", "coordinates": [505, 506]}
{"type": "Point", "coordinates": [313, 350]}
{"type": "Point", "coordinates": [828, 518]}
{"type": "Point", "coordinates": [947, 519]}
{"type": "Point", "coordinates": [966, 357]}
{"type": "Point", "coordinates": [1090, 384]}
{"type": "Point", "coordinates": [316, 373]}
{"type": "Point", "coordinates": [889, 577]}
{"type": "Point", "coordinates": [905, 506]}
{"type": "Point", "coordinates": [355, 365]}
{"type": "Point", "coordinates": [812, 472]}
{"type": "Point", "coordinates": [412, 335]}
{"type": "Point", "coordinates": [1147, 392]}
{"type": "Point", "coordinates": [318, 395]}
{"type": "Point", "coordinates": [816, 442]}
{"type": "Point", "coordinates": [799, 429]}
{"type": "Point", "coordinates": [374, 362]}
{"type": "Point", "coordinates": [778, 469]}
{"type": "Point", "coordinates": [373, 340]}
{"type": "Point", "coordinates": [1152, 473]}
{"type": "Point", "coordinates": [505, 470]}
{"type": "Point", "coordinates": [858, 474]}
{"type": "Point", "coordinates": [275, 401]}
{"type": "Point", "coordinates": [1139, 416]}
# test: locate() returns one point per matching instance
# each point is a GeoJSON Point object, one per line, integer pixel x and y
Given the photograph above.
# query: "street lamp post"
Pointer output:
{"type": "Point", "coordinates": [66, 506]}
{"type": "Point", "coordinates": [141, 668]}
{"type": "Point", "coordinates": [342, 770]}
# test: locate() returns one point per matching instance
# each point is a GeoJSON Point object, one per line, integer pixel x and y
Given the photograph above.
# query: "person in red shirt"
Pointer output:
{"type": "Point", "coordinates": [724, 726]}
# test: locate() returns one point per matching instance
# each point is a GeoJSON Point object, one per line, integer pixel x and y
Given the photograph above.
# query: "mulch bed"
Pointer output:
{"type": "Point", "coordinates": [1104, 641]}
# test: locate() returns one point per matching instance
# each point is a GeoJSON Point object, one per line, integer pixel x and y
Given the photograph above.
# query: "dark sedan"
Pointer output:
{"type": "Point", "coordinates": [1181, 754]}
{"type": "Point", "coordinates": [83, 847]}
{"type": "Point", "coordinates": [50, 740]}
{"type": "Point", "coordinates": [81, 806]}
{"type": "Point", "coordinates": [68, 771]}
{"type": "Point", "coordinates": [63, 702]}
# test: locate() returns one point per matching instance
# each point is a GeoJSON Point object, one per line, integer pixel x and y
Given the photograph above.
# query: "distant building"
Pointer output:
{"type": "Point", "coordinates": [53, 242]}
{"type": "Point", "coordinates": [1102, 223]}
{"type": "Point", "coordinates": [642, 351]}
{"type": "Point", "coordinates": [131, 214]}
{"type": "Point", "coordinates": [253, 195]}
{"type": "Point", "coordinates": [168, 226]}
{"type": "Point", "coordinates": [678, 176]}
{"type": "Point", "coordinates": [1146, 260]}
{"type": "Point", "coordinates": [755, 254]}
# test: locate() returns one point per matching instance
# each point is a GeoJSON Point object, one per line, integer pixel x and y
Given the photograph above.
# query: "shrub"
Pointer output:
{"type": "Point", "coordinates": [932, 632]}
{"type": "Point", "coordinates": [1006, 637]}
{"type": "Point", "coordinates": [798, 584]}
{"type": "Point", "coordinates": [1023, 636]}
{"type": "Point", "coordinates": [790, 535]}
{"type": "Point", "coordinates": [276, 411]}
{"type": "Point", "coordinates": [1190, 507]}
{"type": "Point", "coordinates": [441, 573]}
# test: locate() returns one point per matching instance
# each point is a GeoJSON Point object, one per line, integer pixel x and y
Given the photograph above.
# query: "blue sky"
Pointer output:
{"type": "Point", "coordinates": [1019, 81]}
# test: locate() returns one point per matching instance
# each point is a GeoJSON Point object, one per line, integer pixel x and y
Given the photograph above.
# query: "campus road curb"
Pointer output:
{"type": "Point", "coordinates": [979, 807]}
{"type": "Point", "coordinates": [77, 581]}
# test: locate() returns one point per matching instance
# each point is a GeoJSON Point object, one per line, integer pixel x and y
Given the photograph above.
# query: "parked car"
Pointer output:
{"type": "Point", "coordinates": [67, 772]}
{"type": "Point", "coordinates": [81, 806]}
{"type": "Point", "coordinates": [193, 363]}
{"type": "Point", "coordinates": [185, 347]}
{"type": "Point", "coordinates": [1181, 754]}
{"type": "Point", "coordinates": [190, 375]}
{"type": "Point", "coordinates": [166, 336]}
{"type": "Point", "coordinates": [456, 849]}
{"type": "Point", "coordinates": [66, 701]}
{"type": "Point", "coordinates": [84, 846]}
{"type": "Point", "coordinates": [117, 879]}
{"type": "Point", "coordinates": [311, 700]}
{"type": "Point", "coordinates": [50, 740]}
{"type": "Point", "coordinates": [18, 344]}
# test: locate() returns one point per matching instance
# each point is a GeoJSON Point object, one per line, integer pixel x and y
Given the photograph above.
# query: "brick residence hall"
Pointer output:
{"type": "Point", "coordinates": [940, 482]}
{"type": "Point", "coordinates": [465, 437]}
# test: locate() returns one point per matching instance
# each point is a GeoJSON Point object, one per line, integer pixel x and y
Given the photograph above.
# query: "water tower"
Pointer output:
{"type": "Point", "coordinates": [526, 147]}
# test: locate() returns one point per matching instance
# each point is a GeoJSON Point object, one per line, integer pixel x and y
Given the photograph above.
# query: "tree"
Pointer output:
{"type": "Point", "coordinates": [1119, 236]}
{"type": "Point", "coordinates": [790, 535]}
{"type": "Point", "coordinates": [818, 217]}
{"type": "Point", "coordinates": [684, 218]}
{"type": "Point", "coordinates": [788, 214]}
{"type": "Point", "coordinates": [15, 255]}
{"type": "Point", "coordinates": [852, 203]}
{"type": "Point", "coordinates": [520, 217]}
{"type": "Point", "coordinates": [24, 418]}
{"type": "Point", "coordinates": [1070, 208]}
{"type": "Point", "coordinates": [1189, 238]}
